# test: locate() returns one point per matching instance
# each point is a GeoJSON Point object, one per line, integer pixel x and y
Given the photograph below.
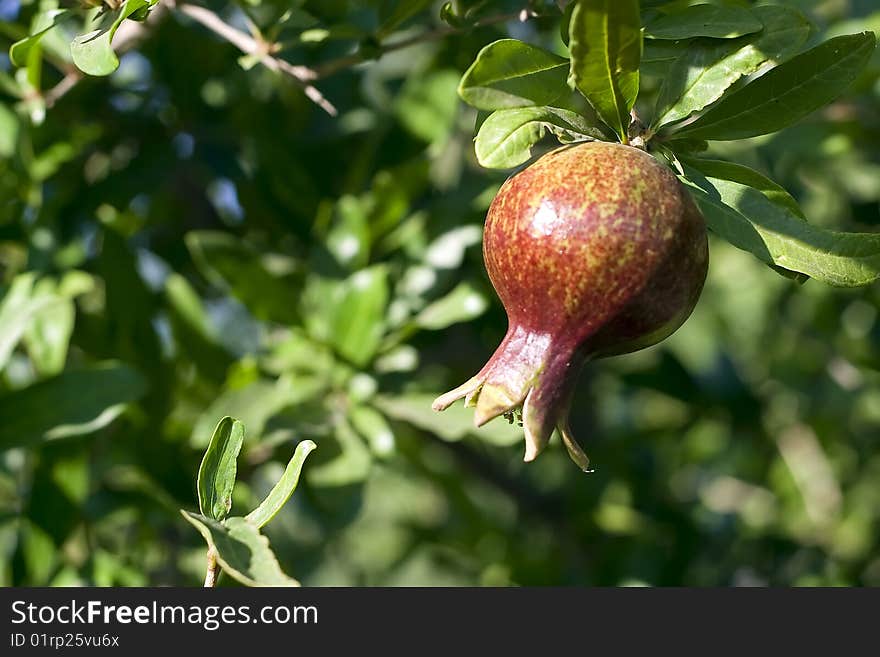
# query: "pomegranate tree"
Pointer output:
{"type": "Point", "coordinates": [595, 249]}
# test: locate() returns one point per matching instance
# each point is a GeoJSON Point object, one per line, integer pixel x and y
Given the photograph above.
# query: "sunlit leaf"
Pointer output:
{"type": "Point", "coordinates": [20, 50]}
{"type": "Point", "coordinates": [509, 73]}
{"type": "Point", "coordinates": [73, 403]}
{"type": "Point", "coordinates": [787, 93]}
{"type": "Point", "coordinates": [373, 426]}
{"type": "Point", "coordinates": [751, 221]}
{"type": "Point", "coordinates": [704, 21]}
{"type": "Point", "coordinates": [218, 469]}
{"type": "Point", "coordinates": [706, 69]}
{"type": "Point", "coordinates": [506, 138]}
{"type": "Point", "coordinates": [426, 106]}
{"type": "Point", "coordinates": [357, 317]}
{"type": "Point", "coordinates": [242, 552]}
{"type": "Point", "coordinates": [460, 305]}
{"type": "Point", "coordinates": [282, 490]}
{"type": "Point", "coordinates": [350, 465]}
{"type": "Point", "coordinates": [606, 46]}
{"type": "Point", "coordinates": [93, 53]}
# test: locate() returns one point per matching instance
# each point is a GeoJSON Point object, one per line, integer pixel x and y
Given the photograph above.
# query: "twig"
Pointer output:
{"type": "Point", "coordinates": [68, 82]}
{"type": "Point", "coordinates": [127, 36]}
{"type": "Point", "coordinates": [335, 65]}
{"type": "Point", "coordinates": [211, 572]}
{"type": "Point", "coordinates": [250, 46]}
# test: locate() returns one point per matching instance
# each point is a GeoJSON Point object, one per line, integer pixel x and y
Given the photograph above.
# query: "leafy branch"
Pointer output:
{"type": "Point", "coordinates": [235, 544]}
{"type": "Point", "coordinates": [93, 54]}
{"type": "Point", "coordinates": [258, 48]}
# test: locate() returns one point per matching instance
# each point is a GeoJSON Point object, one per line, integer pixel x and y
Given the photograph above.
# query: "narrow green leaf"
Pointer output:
{"type": "Point", "coordinates": [265, 283]}
{"type": "Point", "coordinates": [704, 21]}
{"type": "Point", "coordinates": [788, 92]}
{"type": "Point", "coordinates": [75, 402]}
{"type": "Point", "coordinates": [242, 551]}
{"type": "Point", "coordinates": [20, 50]}
{"type": "Point", "coordinates": [509, 73]}
{"type": "Point", "coordinates": [218, 469]}
{"type": "Point", "coordinates": [749, 177]}
{"type": "Point", "coordinates": [426, 105]}
{"type": "Point", "coordinates": [357, 318]}
{"type": "Point", "coordinates": [751, 221]}
{"type": "Point", "coordinates": [282, 490]}
{"type": "Point", "coordinates": [253, 404]}
{"type": "Point", "coordinates": [402, 11]}
{"type": "Point", "coordinates": [373, 426]}
{"type": "Point", "coordinates": [47, 336]}
{"type": "Point", "coordinates": [350, 466]}
{"type": "Point", "coordinates": [506, 138]}
{"type": "Point", "coordinates": [461, 305]}
{"type": "Point", "coordinates": [17, 310]}
{"type": "Point", "coordinates": [10, 126]}
{"type": "Point", "coordinates": [606, 46]}
{"type": "Point", "coordinates": [707, 69]}
{"type": "Point", "coordinates": [658, 56]}
{"type": "Point", "coordinates": [93, 53]}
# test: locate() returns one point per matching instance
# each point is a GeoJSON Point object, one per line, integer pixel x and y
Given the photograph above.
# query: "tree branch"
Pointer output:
{"type": "Point", "coordinates": [250, 46]}
{"type": "Point", "coordinates": [336, 65]}
{"type": "Point", "coordinates": [131, 32]}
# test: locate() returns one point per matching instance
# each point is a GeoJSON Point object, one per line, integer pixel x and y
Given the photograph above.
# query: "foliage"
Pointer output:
{"type": "Point", "coordinates": [279, 220]}
{"type": "Point", "coordinates": [235, 543]}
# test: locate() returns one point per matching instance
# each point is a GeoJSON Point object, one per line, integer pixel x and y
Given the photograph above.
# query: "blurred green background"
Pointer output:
{"type": "Point", "coordinates": [192, 237]}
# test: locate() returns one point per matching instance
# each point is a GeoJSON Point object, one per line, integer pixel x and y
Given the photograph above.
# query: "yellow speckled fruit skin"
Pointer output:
{"type": "Point", "coordinates": [594, 250]}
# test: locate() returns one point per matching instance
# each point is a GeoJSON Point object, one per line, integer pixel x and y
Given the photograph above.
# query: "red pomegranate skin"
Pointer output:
{"type": "Point", "coordinates": [594, 250]}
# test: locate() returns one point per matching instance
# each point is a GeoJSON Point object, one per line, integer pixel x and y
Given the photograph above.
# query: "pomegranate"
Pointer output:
{"type": "Point", "coordinates": [594, 250]}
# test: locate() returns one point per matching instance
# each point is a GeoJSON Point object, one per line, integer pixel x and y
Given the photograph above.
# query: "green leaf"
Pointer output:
{"type": "Point", "coordinates": [509, 73]}
{"type": "Point", "coordinates": [707, 69]}
{"type": "Point", "coordinates": [788, 92]}
{"type": "Point", "coordinates": [704, 21]}
{"type": "Point", "coordinates": [606, 46]}
{"type": "Point", "coordinates": [456, 422]}
{"type": "Point", "coordinates": [357, 317]}
{"type": "Point", "coordinates": [506, 138]}
{"type": "Point", "coordinates": [447, 251]}
{"type": "Point", "coordinates": [242, 551]}
{"type": "Point", "coordinates": [265, 283]}
{"type": "Point", "coordinates": [349, 239]}
{"type": "Point", "coordinates": [93, 53]}
{"type": "Point", "coordinates": [350, 466]}
{"type": "Point", "coordinates": [254, 404]}
{"type": "Point", "coordinates": [427, 106]}
{"type": "Point", "coordinates": [751, 178]}
{"type": "Point", "coordinates": [373, 426]}
{"type": "Point", "coordinates": [402, 11]}
{"type": "Point", "coordinates": [73, 403]}
{"type": "Point", "coordinates": [47, 336]}
{"type": "Point", "coordinates": [218, 469]}
{"type": "Point", "coordinates": [658, 56]}
{"type": "Point", "coordinates": [282, 490]}
{"type": "Point", "coordinates": [20, 50]}
{"type": "Point", "coordinates": [10, 127]}
{"type": "Point", "coordinates": [461, 305]}
{"type": "Point", "coordinates": [753, 222]}
{"type": "Point", "coordinates": [17, 310]}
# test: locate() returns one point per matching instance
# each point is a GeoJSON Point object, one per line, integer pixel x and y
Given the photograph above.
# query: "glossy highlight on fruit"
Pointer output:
{"type": "Point", "coordinates": [594, 250]}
